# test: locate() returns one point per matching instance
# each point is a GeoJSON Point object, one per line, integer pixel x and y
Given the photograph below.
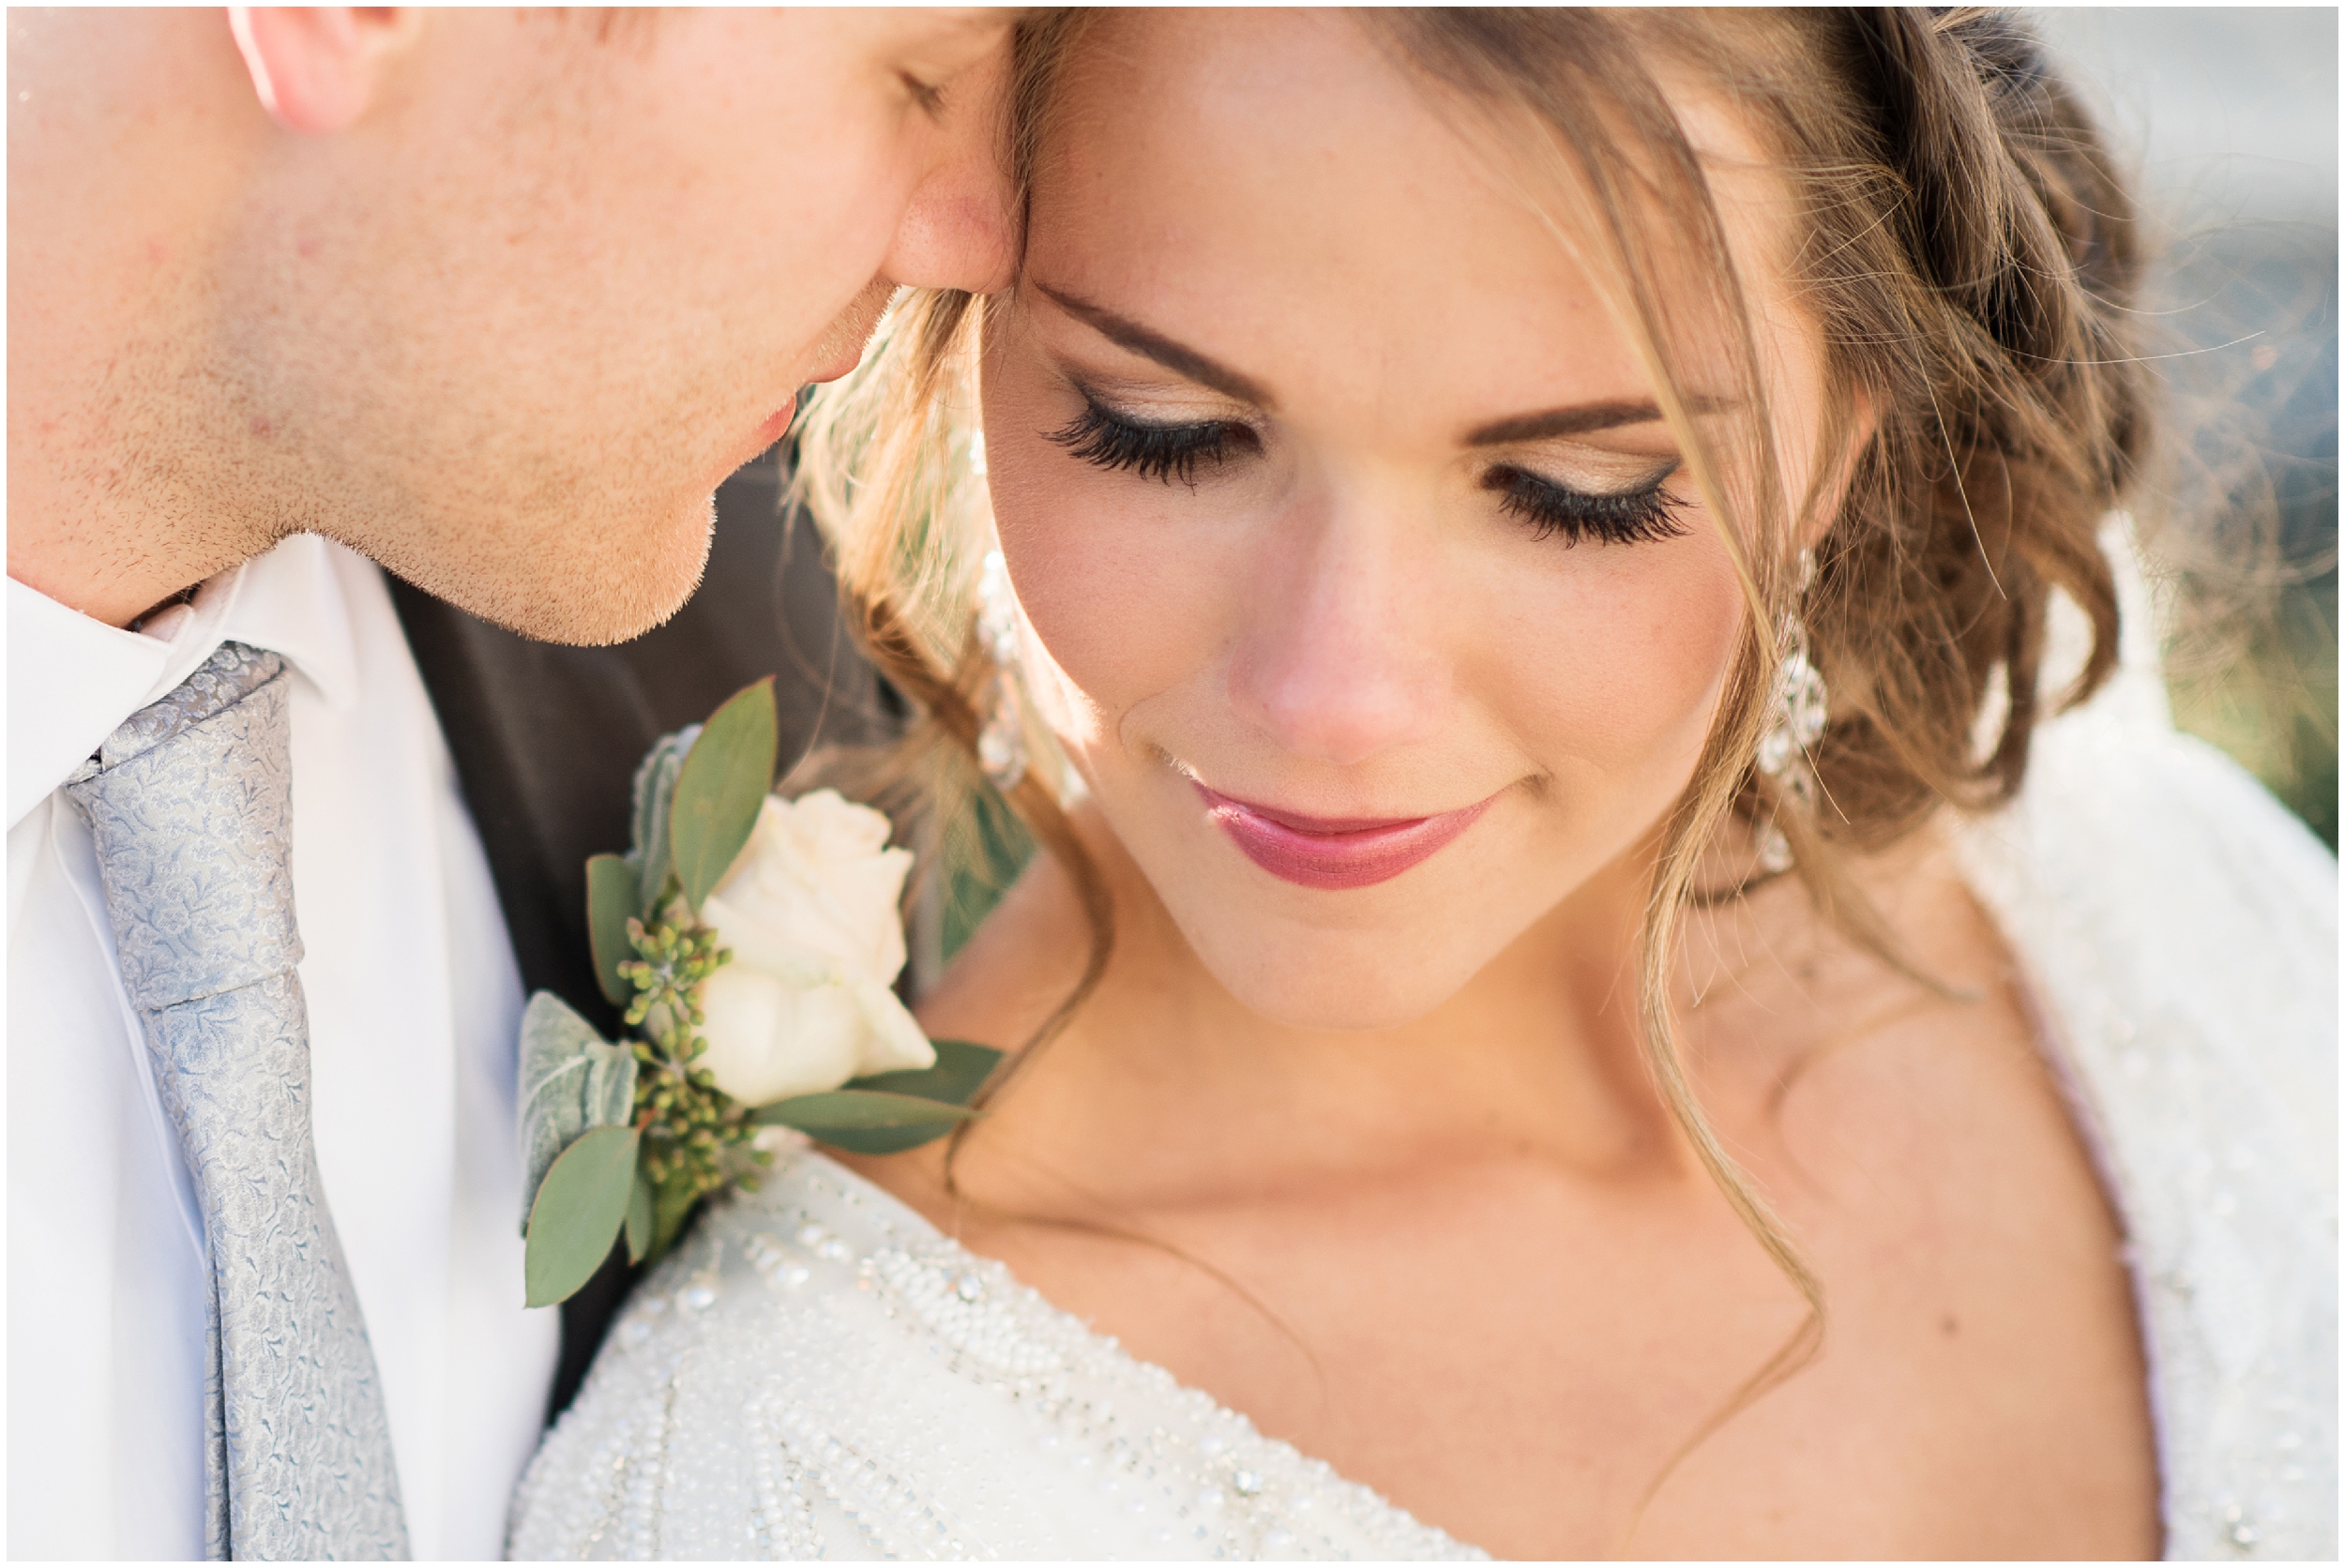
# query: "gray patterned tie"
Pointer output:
{"type": "Point", "coordinates": [191, 805]}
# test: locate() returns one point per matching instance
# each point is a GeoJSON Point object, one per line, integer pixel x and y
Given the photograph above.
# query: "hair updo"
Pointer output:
{"type": "Point", "coordinates": [1967, 256]}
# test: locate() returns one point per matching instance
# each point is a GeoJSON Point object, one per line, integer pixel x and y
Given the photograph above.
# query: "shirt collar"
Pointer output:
{"type": "Point", "coordinates": [72, 679]}
{"type": "Point", "coordinates": [291, 602]}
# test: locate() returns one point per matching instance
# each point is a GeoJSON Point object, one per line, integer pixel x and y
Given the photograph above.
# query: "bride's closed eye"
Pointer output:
{"type": "Point", "coordinates": [1166, 451]}
{"type": "Point", "coordinates": [1642, 514]}
{"type": "Point", "coordinates": [1105, 438]}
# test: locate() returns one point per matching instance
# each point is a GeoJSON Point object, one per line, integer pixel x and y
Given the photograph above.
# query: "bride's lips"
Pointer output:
{"type": "Point", "coordinates": [1334, 852]}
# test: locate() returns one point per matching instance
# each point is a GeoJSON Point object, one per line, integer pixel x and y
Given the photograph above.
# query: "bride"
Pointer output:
{"type": "Point", "coordinates": [1625, 960]}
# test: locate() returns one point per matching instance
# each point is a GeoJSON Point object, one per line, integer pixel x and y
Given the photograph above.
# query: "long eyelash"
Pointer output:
{"type": "Point", "coordinates": [1165, 452]}
{"type": "Point", "coordinates": [1641, 516]}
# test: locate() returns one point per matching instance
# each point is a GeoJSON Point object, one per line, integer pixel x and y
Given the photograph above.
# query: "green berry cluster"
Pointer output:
{"type": "Point", "coordinates": [695, 1138]}
{"type": "Point", "coordinates": [675, 953]}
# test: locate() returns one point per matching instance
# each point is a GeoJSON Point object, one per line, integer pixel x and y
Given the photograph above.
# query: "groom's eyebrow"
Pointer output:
{"type": "Point", "coordinates": [1127, 334]}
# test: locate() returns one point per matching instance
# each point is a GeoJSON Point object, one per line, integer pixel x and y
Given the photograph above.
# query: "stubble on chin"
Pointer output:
{"type": "Point", "coordinates": [577, 576]}
{"type": "Point", "coordinates": [851, 330]}
{"type": "Point", "coordinates": [573, 535]}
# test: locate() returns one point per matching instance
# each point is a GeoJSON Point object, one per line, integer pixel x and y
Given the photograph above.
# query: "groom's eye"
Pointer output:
{"type": "Point", "coordinates": [929, 99]}
{"type": "Point", "coordinates": [1106, 438]}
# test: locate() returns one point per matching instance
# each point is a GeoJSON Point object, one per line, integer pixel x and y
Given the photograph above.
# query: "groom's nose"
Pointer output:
{"type": "Point", "coordinates": [956, 230]}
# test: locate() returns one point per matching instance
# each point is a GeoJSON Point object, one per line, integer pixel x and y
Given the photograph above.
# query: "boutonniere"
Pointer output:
{"type": "Point", "coordinates": [753, 943]}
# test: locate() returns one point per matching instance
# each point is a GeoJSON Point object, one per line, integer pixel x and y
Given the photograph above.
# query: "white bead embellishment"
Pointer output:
{"type": "Point", "coordinates": [907, 1399]}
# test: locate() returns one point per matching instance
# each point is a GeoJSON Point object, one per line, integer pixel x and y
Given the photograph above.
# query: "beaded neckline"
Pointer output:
{"type": "Point", "coordinates": [1105, 1351]}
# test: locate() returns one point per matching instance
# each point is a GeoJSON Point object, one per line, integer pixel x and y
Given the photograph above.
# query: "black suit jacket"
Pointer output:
{"type": "Point", "coordinates": [546, 739]}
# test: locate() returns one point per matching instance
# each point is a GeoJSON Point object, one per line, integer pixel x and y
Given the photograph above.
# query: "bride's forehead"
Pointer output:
{"type": "Point", "coordinates": [1232, 88]}
{"type": "Point", "coordinates": [1290, 166]}
{"type": "Point", "coordinates": [1313, 111]}
{"type": "Point", "coordinates": [1270, 146]}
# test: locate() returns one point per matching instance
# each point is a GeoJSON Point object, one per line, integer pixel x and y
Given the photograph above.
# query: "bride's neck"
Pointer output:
{"type": "Point", "coordinates": [1537, 1054]}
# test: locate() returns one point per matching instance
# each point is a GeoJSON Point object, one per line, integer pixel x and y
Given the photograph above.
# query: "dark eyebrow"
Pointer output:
{"type": "Point", "coordinates": [1577, 420]}
{"type": "Point", "coordinates": [1164, 350]}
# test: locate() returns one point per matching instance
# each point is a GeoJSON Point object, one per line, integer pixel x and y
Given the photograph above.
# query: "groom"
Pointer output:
{"type": "Point", "coordinates": [492, 300]}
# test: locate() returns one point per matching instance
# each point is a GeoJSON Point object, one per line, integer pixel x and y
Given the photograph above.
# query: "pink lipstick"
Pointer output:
{"type": "Point", "coordinates": [1334, 852]}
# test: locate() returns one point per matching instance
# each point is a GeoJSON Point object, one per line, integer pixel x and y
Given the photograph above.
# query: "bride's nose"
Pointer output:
{"type": "Point", "coordinates": [1339, 656]}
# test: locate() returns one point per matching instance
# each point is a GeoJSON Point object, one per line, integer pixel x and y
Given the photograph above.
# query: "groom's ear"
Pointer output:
{"type": "Point", "coordinates": [315, 68]}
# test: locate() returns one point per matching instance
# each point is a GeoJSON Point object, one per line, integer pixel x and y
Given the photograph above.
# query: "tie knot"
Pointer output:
{"type": "Point", "coordinates": [191, 808]}
{"type": "Point", "coordinates": [233, 673]}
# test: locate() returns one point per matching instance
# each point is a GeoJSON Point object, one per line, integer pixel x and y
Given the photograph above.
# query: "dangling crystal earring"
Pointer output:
{"type": "Point", "coordinates": [1795, 720]}
{"type": "Point", "coordinates": [1001, 744]}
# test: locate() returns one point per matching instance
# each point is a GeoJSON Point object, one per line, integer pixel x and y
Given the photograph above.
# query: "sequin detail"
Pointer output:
{"type": "Point", "coordinates": [817, 1372]}
{"type": "Point", "coordinates": [2179, 929]}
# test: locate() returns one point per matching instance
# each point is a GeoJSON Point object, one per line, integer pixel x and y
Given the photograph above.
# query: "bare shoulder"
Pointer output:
{"type": "Point", "coordinates": [1931, 1081]}
{"type": "Point", "coordinates": [1913, 1129]}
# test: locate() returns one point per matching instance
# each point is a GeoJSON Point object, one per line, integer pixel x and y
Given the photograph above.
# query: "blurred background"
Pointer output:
{"type": "Point", "coordinates": [2227, 118]}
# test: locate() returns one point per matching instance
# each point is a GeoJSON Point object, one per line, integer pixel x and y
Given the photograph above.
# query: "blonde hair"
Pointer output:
{"type": "Point", "coordinates": [1968, 261]}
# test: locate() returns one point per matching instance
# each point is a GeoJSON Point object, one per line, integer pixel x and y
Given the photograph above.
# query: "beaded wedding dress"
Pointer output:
{"type": "Point", "coordinates": [817, 1372]}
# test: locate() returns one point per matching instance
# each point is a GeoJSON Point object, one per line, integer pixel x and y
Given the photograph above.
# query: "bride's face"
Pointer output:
{"type": "Point", "coordinates": [1366, 589]}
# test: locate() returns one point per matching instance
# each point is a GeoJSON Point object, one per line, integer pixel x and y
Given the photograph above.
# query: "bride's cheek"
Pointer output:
{"type": "Point", "coordinates": [1682, 644]}
{"type": "Point", "coordinates": [1089, 584]}
{"type": "Point", "coordinates": [1112, 635]}
{"type": "Point", "coordinates": [1123, 581]}
{"type": "Point", "coordinates": [1620, 686]}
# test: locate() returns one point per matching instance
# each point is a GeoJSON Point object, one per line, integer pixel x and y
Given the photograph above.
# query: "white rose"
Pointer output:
{"type": "Point", "coordinates": [809, 912]}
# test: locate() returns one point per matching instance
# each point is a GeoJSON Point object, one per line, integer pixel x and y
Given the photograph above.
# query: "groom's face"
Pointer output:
{"type": "Point", "coordinates": [510, 328]}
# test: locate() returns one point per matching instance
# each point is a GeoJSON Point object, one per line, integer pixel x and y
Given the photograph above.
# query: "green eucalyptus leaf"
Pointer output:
{"type": "Point", "coordinates": [962, 1069]}
{"type": "Point", "coordinates": [580, 1208]}
{"type": "Point", "coordinates": [864, 1121]}
{"type": "Point", "coordinates": [720, 789]}
{"type": "Point", "coordinates": [571, 1082]}
{"type": "Point", "coordinates": [654, 795]}
{"type": "Point", "coordinates": [638, 1219]}
{"type": "Point", "coordinates": [611, 898]}
{"type": "Point", "coordinates": [849, 1109]}
{"type": "Point", "coordinates": [882, 1140]}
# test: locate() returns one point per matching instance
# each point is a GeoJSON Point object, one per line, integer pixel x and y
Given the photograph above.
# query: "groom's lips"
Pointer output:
{"type": "Point", "coordinates": [777, 425]}
{"type": "Point", "coordinates": [845, 361]}
{"type": "Point", "coordinates": [1334, 852]}
{"type": "Point", "coordinates": [728, 461]}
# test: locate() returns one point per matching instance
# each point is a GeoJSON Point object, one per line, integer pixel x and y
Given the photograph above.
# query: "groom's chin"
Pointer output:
{"type": "Point", "coordinates": [586, 581]}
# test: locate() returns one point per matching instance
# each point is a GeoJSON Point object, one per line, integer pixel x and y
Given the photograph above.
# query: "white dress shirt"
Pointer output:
{"type": "Point", "coordinates": [413, 999]}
